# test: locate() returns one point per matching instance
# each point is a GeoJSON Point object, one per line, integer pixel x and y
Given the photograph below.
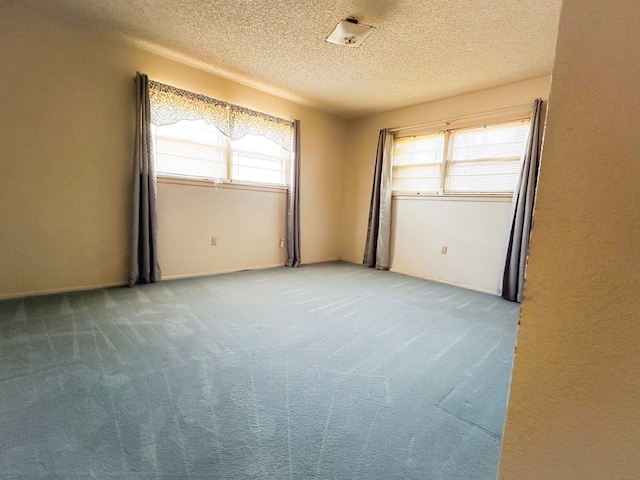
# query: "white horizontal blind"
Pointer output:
{"type": "Point", "coordinates": [190, 149]}
{"type": "Point", "coordinates": [417, 162]}
{"type": "Point", "coordinates": [476, 160]}
{"type": "Point", "coordinates": [258, 159]}
{"type": "Point", "coordinates": [194, 149]}
{"type": "Point", "coordinates": [485, 159]}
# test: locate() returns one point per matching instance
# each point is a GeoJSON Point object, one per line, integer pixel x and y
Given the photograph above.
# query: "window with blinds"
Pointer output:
{"type": "Point", "coordinates": [190, 149]}
{"type": "Point", "coordinates": [485, 159]}
{"type": "Point", "coordinates": [194, 149]}
{"type": "Point", "coordinates": [478, 160]}
{"type": "Point", "coordinates": [258, 159]}
{"type": "Point", "coordinates": [417, 163]}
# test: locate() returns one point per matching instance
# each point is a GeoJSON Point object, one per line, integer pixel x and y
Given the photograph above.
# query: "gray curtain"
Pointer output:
{"type": "Point", "coordinates": [523, 200]}
{"type": "Point", "coordinates": [376, 252]}
{"type": "Point", "coordinates": [293, 203]}
{"type": "Point", "coordinates": [144, 248]}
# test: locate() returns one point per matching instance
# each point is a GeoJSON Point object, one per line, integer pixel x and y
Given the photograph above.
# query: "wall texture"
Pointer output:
{"type": "Point", "coordinates": [474, 232]}
{"type": "Point", "coordinates": [573, 411]}
{"type": "Point", "coordinates": [66, 147]}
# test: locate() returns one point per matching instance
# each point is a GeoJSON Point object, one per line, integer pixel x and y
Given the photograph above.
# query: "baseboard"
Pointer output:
{"type": "Point", "coordinates": [122, 284]}
{"type": "Point", "coordinates": [220, 272]}
{"type": "Point", "coordinates": [321, 262]}
{"type": "Point", "coordinates": [440, 280]}
{"type": "Point", "coordinates": [233, 270]}
{"type": "Point", "coordinates": [55, 291]}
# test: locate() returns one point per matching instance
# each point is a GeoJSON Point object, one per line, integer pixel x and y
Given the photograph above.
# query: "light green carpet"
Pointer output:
{"type": "Point", "coordinates": [330, 371]}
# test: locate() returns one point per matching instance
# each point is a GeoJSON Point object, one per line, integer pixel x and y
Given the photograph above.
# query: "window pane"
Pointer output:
{"type": "Point", "coordinates": [485, 176]}
{"type": "Point", "coordinates": [421, 178]}
{"type": "Point", "coordinates": [249, 174]}
{"type": "Point", "coordinates": [418, 150]}
{"type": "Point", "coordinates": [416, 185]}
{"type": "Point", "coordinates": [257, 144]}
{"type": "Point", "coordinates": [258, 159]}
{"type": "Point", "coordinates": [489, 142]}
{"type": "Point", "coordinates": [485, 159]}
{"type": "Point", "coordinates": [190, 149]}
{"type": "Point", "coordinates": [417, 162]}
{"type": "Point", "coordinates": [192, 131]}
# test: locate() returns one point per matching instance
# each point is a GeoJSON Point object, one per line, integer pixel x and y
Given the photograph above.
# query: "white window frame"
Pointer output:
{"type": "Point", "coordinates": [285, 159]}
{"type": "Point", "coordinates": [479, 121]}
{"type": "Point", "coordinates": [228, 156]}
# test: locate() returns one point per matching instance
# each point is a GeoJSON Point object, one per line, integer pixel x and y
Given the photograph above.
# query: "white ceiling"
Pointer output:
{"type": "Point", "coordinates": [421, 50]}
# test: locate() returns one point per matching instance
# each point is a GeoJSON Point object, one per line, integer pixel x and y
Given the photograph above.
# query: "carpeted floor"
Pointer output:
{"type": "Point", "coordinates": [329, 371]}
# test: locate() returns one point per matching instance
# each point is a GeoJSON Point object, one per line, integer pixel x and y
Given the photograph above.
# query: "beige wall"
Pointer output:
{"type": "Point", "coordinates": [66, 145]}
{"type": "Point", "coordinates": [247, 224]}
{"type": "Point", "coordinates": [474, 232]}
{"type": "Point", "coordinates": [573, 410]}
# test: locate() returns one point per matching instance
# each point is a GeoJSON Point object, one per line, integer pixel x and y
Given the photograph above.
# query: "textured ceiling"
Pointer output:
{"type": "Point", "coordinates": [419, 51]}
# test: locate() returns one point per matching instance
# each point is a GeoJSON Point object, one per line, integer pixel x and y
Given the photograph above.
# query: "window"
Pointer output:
{"type": "Point", "coordinates": [478, 160]}
{"type": "Point", "coordinates": [195, 136]}
{"type": "Point", "coordinates": [194, 149]}
{"type": "Point", "coordinates": [190, 149]}
{"type": "Point", "coordinates": [417, 163]}
{"type": "Point", "coordinates": [258, 159]}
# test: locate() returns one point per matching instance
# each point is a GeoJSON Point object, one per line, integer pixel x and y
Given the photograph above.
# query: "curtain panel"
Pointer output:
{"type": "Point", "coordinates": [293, 203]}
{"type": "Point", "coordinates": [376, 252]}
{"type": "Point", "coordinates": [523, 205]}
{"type": "Point", "coordinates": [144, 266]}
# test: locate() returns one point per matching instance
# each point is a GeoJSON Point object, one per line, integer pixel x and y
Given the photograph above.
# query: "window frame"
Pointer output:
{"type": "Point", "coordinates": [426, 165]}
{"type": "Point", "coordinates": [285, 158]}
{"type": "Point", "coordinates": [445, 127]}
{"type": "Point", "coordinates": [190, 179]}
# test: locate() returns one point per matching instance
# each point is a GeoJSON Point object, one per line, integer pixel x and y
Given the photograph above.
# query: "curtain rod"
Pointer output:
{"type": "Point", "coordinates": [456, 119]}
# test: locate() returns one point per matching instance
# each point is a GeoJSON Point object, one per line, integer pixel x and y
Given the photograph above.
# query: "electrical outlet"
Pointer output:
{"type": "Point", "coordinates": [444, 250]}
{"type": "Point", "coordinates": [282, 243]}
{"type": "Point", "coordinates": [214, 241]}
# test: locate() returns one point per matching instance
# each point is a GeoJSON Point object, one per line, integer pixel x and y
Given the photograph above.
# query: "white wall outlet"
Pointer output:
{"type": "Point", "coordinates": [282, 243]}
{"type": "Point", "coordinates": [214, 241]}
{"type": "Point", "coordinates": [444, 250]}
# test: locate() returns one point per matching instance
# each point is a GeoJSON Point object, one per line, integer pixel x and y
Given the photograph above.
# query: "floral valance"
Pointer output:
{"type": "Point", "coordinates": [170, 105]}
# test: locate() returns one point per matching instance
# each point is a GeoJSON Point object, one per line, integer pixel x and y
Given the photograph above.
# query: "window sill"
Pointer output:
{"type": "Point", "coordinates": [469, 197]}
{"type": "Point", "coordinates": [199, 182]}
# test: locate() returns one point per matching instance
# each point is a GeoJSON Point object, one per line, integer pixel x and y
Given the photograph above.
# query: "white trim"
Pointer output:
{"type": "Point", "coordinates": [455, 198]}
{"type": "Point", "coordinates": [440, 280]}
{"type": "Point", "coordinates": [203, 182]}
{"type": "Point", "coordinates": [220, 272]}
{"type": "Point", "coordinates": [56, 291]}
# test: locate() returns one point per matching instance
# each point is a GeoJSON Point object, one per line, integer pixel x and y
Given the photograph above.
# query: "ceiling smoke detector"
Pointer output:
{"type": "Point", "coordinates": [350, 32]}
